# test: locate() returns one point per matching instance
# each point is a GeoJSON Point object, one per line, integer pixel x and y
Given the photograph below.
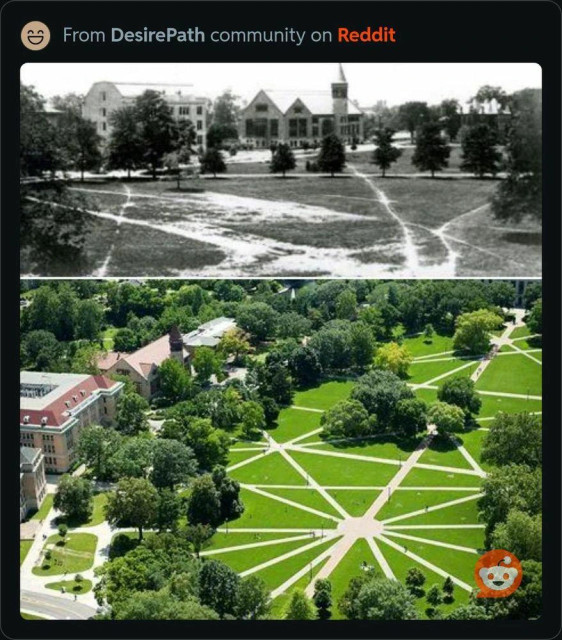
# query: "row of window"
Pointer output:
{"type": "Point", "coordinates": [298, 127]}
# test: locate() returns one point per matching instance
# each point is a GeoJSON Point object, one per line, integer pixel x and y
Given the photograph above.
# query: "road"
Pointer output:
{"type": "Point", "coordinates": [54, 607]}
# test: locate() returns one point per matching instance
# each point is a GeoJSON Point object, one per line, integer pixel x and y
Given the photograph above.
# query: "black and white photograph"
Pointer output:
{"type": "Point", "coordinates": [356, 170]}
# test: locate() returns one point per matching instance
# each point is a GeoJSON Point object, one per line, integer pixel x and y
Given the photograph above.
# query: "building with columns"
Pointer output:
{"type": "Point", "coordinates": [302, 117]}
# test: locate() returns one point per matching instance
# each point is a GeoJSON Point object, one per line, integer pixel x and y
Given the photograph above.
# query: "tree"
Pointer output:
{"type": "Point", "coordinates": [520, 194]}
{"type": "Point", "coordinates": [415, 580]}
{"type": "Point", "coordinates": [233, 343]}
{"type": "Point", "coordinates": [173, 463]}
{"type": "Point", "coordinates": [293, 325]}
{"type": "Point", "coordinates": [254, 601]}
{"type": "Point", "coordinates": [305, 366]}
{"type": "Point", "coordinates": [74, 498]}
{"type": "Point", "coordinates": [450, 114]}
{"type": "Point", "coordinates": [385, 599]}
{"type": "Point", "coordinates": [534, 320]}
{"type": "Point", "coordinates": [231, 505]}
{"type": "Point", "coordinates": [346, 305]}
{"type": "Point", "coordinates": [346, 419]}
{"type": "Point", "coordinates": [348, 603]}
{"type": "Point", "coordinates": [394, 358]}
{"type": "Point", "coordinates": [130, 417]}
{"type": "Point", "coordinates": [226, 111]}
{"type": "Point", "coordinates": [472, 331]}
{"type": "Point", "coordinates": [125, 340]}
{"type": "Point", "coordinates": [213, 162]}
{"type": "Point", "coordinates": [204, 506]}
{"type": "Point", "coordinates": [299, 607]}
{"type": "Point", "coordinates": [448, 418]}
{"type": "Point", "coordinates": [448, 590]}
{"type": "Point", "coordinates": [89, 317]}
{"type": "Point", "coordinates": [461, 392]}
{"type": "Point", "coordinates": [428, 332]}
{"type": "Point", "coordinates": [533, 291]}
{"type": "Point", "coordinates": [253, 419]}
{"type": "Point", "coordinates": [79, 140]}
{"type": "Point", "coordinates": [218, 587]}
{"type": "Point", "coordinates": [41, 351]}
{"type": "Point", "coordinates": [134, 502]}
{"type": "Point", "coordinates": [410, 416]}
{"type": "Point", "coordinates": [169, 509]}
{"type": "Point", "coordinates": [385, 152]}
{"type": "Point", "coordinates": [156, 128]}
{"type": "Point", "coordinates": [434, 595]}
{"type": "Point", "coordinates": [521, 533]}
{"type": "Point", "coordinates": [514, 439]}
{"type": "Point", "coordinates": [432, 151]}
{"type": "Point", "coordinates": [411, 115]}
{"type": "Point", "coordinates": [331, 157]}
{"type": "Point", "coordinates": [487, 93]}
{"type": "Point", "coordinates": [206, 363]}
{"type": "Point", "coordinates": [174, 381]}
{"type": "Point", "coordinates": [132, 458]}
{"type": "Point", "coordinates": [38, 152]}
{"type": "Point", "coordinates": [379, 392]}
{"type": "Point", "coordinates": [283, 159]}
{"type": "Point", "coordinates": [258, 319]}
{"type": "Point", "coordinates": [322, 598]}
{"type": "Point", "coordinates": [270, 411]}
{"type": "Point", "coordinates": [96, 445]}
{"type": "Point", "coordinates": [159, 605]}
{"type": "Point", "coordinates": [62, 530]}
{"type": "Point", "coordinates": [479, 150]}
{"type": "Point", "coordinates": [510, 487]}
{"type": "Point", "coordinates": [125, 143]}
{"type": "Point", "coordinates": [197, 535]}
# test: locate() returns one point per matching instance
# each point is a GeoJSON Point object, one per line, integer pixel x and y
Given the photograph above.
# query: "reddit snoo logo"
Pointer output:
{"type": "Point", "coordinates": [497, 573]}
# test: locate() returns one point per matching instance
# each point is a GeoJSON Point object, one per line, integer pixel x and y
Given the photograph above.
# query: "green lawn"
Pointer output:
{"type": "Point", "coordinates": [355, 501]}
{"type": "Point", "coordinates": [25, 546]}
{"type": "Point", "coordinates": [234, 456]}
{"type": "Point", "coordinates": [330, 471]}
{"type": "Point", "coordinates": [265, 512]}
{"type": "Point", "coordinates": [98, 515]}
{"type": "Point", "coordinates": [512, 374]}
{"type": "Point", "coordinates": [384, 446]}
{"type": "Point", "coordinates": [308, 497]}
{"type": "Point", "coordinates": [400, 564]}
{"type": "Point", "coordinates": [431, 478]}
{"type": "Point", "coordinates": [235, 539]}
{"type": "Point", "coordinates": [107, 336]}
{"type": "Point", "coordinates": [270, 469]}
{"type": "Point", "coordinates": [248, 558]}
{"type": "Point", "coordinates": [30, 616]}
{"type": "Point", "coordinates": [472, 538]}
{"type": "Point", "coordinates": [429, 396]}
{"type": "Point", "coordinates": [520, 332]}
{"type": "Point", "coordinates": [472, 442]}
{"type": "Point", "coordinates": [279, 605]}
{"type": "Point", "coordinates": [76, 555]}
{"type": "Point", "coordinates": [422, 372]}
{"type": "Point", "coordinates": [324, 396]}
{"type": "Point", "coordinates": [463, 513]}
{"type": "Point", "coordinates": [45, 508]}
{"type": "Point", "coordinates": [402, 502]}
{"type": "Point", "coordinates": [293, 423]}
{"type": "Point", "coordinates": [493, 404]}
{"type": "Point", "coordinates": [71, 586]}
{"type": "Point", "coordinates": [277, 574]}
{"type": "Point", "coordinates": [444, 452]}
{"type": "Point", "coordinates": [419, 345]}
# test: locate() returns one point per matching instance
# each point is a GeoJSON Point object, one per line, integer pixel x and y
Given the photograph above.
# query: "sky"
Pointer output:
{"type": "Point", "coordinates": [394, 83]}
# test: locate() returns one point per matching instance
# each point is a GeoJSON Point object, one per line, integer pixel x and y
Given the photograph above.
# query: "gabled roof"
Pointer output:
{"type": "Point", "coordinates": [317, 102]}
{"type": "Point", "coordinates": [28, 455]}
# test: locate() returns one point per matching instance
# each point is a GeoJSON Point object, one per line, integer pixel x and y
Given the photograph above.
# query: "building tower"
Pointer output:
{"type": "Point", "coordinates": [339, 102]}
{"type": "Point", "coordinates": [176, 345]}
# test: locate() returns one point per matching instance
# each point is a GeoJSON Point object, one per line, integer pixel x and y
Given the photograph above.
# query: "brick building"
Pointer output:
{"type": "Point", "coordinates": [300, 118]}
{"type": "Point", "coordinates": [105, 97]}
{"type": "Point", "coordinates": [33, 483]}
{"type": "Point", "coordinates": [54, 407]}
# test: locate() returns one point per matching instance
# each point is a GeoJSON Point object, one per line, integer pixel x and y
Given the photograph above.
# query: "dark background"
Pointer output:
{"type": "Point", "coordinates": [445, 31]}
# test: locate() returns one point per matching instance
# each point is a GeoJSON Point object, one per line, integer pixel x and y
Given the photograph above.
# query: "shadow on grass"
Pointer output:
{"type": "Point", "coordinates": [444, 444]}
{"type": "Point", "coordinates": [535, 342]}
{"type": "Point", "coordinates": [185, 190]}
{"type": "Point", "coordinates": [122, 544]}
{"type": "Point", "coordinates": [523, 237]}
{"type": "Point", "coordinates": [407, 445]}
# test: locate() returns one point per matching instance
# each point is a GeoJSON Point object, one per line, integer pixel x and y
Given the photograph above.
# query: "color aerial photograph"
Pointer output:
{"type": "Point", "coordinates": [279, 449]}
{"type": "Point", "coordinates": [356, 170]}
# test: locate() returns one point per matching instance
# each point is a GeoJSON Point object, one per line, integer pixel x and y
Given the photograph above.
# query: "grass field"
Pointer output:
{"type": "Point", "coordinates": [511, 374]}
{"type": "Point", "coordinates": [324, 396]}
{"type": "Point", "coordinates": [74, 556]}
{"type": "Point", "coordinates": [45, 508]}
{"type": "Point", "coordinates": [419, 346]}
{"type": "Point", "coordinates": [25, 546]}
{"type": "Point", "coordinates": [293, 423]}
{"type": "Point", "coordinates": [71, 586]}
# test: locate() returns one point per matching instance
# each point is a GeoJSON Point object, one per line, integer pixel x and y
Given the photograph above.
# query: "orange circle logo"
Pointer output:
{"type": "Point", "coordinates": [497, 573]}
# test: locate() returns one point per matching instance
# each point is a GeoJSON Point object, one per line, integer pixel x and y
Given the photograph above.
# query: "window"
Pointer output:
{"type": "Point", "coordinates": [261, 107]}
{"type": "Point", "coordinates": [104, 126]}
{"type": "Point", "coordinates": [199, 141]}
{"type": "Point", "coordinates": [199, 125]}
{"type": "Point", "coordinates": [260, 127]}
{"type": "Point", "coordinates": [274, 128]}
{"type": "Point", "coordinates": [103, 96]}
{"type": "Point", "coordinates": [297, 109]}
{"type": "Point", "coordinates": [183, 111]}
{"type": "Point", "coordinates": [104, 112]}
{"type": "Point", "coordinates": [303, 129]}
{"type": "Point", "coordinates": [199, 110]}
{"type": "Point", "coordinates": [293, 128]}
{"type": "Point", "coordinates": [249, 128]}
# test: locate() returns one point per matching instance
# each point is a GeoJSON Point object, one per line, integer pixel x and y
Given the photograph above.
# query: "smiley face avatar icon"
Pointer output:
{"type": "Point", "coordinates": [35, 35]}
{"type": "Point", "coordinates": [498, 573]}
